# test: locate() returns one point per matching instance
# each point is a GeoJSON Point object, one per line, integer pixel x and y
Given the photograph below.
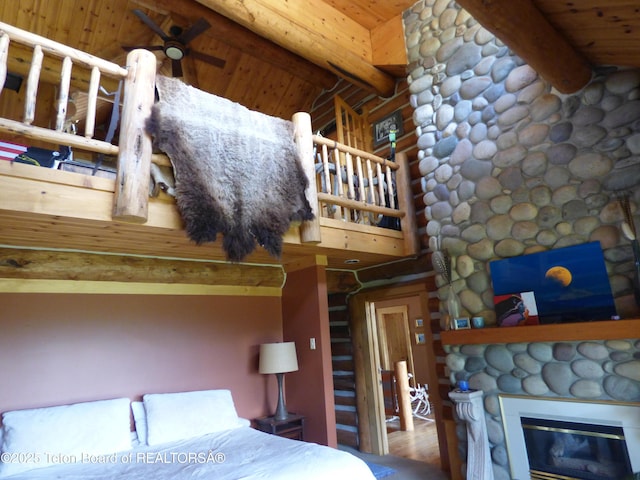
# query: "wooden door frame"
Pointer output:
{"type": "Point", "coordinates": [369, 401]}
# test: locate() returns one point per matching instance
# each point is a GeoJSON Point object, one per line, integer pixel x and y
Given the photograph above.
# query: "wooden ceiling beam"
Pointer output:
{"type": "Point", "coordinates": [236, 36]}
{"type": "Point", "coordinates": [315, 31]}
{"type": "Point", "coordinates": [521, 26]}
{"type": "Point", "coordinates": [388, 45]}
{"type": "Point", "coordinates": [28, 264]}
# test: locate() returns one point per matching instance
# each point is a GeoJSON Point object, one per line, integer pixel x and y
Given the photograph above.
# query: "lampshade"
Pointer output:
{"type": "Point", "coordinates": [278, 357]}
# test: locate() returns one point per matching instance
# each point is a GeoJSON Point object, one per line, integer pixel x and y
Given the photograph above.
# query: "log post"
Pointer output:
{"type": "Point", "coordinates": [310, 229]}
{"type": "Point", "coordinates": [404, 400]}
{"type": "Point", "coordinates": [405, 204]}
{"type": "Point", "coordinates": [134, 159]}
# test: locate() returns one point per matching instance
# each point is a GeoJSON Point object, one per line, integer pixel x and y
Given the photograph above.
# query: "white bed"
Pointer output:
{"type": "Point", "coordinates": [241, 453]}
{"type": "Point", "coordinates": [73, 442]}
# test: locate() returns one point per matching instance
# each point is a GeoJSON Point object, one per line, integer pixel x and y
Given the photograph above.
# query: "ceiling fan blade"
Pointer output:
{"type": "Point", "coordinates": [196, 29]}
{"type": "Point", "coordinates": [176, 68]}
{"type": "Point", "coordinates": [215, 61]}
{"type": "Point", "coordinates": [145, 47]}
{"type": "Point", "coordinates": [151, 24]}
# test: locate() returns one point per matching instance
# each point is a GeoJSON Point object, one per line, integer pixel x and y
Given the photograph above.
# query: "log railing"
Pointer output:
{"type": "Point", "coordinates": [134, 150]}
{"type": "Point", "coordinates": [42, 47]}
{"type": "Point", "coordinates": [346, 184]}
{"type": "Point", "coordinates": [355, 186]}
{"type": "Point", "coordinates": [354, 183]}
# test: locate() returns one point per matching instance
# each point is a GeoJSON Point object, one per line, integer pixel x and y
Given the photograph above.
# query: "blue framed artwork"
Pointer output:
{"type": "Point", "coordinates": [570, 284]}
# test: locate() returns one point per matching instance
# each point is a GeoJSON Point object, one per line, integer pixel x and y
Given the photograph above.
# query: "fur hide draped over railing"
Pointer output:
{"type": "Point", "coordinates": [237, 171]}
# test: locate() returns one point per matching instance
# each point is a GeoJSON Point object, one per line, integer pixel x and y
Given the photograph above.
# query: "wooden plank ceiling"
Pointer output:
{"type": "Point", "coordinates": [281, 55]}
{"type": "Point", "coordinates": [277, 53]}
{"type": "Point", "coordinates": [258, 72]}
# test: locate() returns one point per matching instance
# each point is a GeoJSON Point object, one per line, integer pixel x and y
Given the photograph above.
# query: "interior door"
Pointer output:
{"type": "Point", "coordinates": [353, 130]}
{"type": "Point", "coordinates": [352, 127]}
{"type": "Point", "coordinates": [394, 337]}
{"type": "Point", "coordinates": [370, 404]}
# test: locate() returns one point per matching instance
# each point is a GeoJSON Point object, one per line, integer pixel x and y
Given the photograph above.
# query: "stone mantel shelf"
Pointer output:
{"type": "Point", "coordinates": [604, 330]}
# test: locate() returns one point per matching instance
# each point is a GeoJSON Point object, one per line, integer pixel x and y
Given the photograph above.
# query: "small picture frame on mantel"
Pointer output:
{"type": "Point", "coordinates": [461, 323]}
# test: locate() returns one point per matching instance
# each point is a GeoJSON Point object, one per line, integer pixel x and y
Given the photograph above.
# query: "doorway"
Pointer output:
{"type": "Point", "coordinates": [394, 341]}
{"type": "Point", "coordinates": [369, 359]}
{"type": "Point", "coordinates": [400, 329]}
{"type": "Point", "coordinates": [394, 345]}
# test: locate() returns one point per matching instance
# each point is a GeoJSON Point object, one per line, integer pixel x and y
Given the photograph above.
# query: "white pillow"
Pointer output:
{"type": "Point", "coordinates": [176, 416]}
{"type": "Point", "coordinates": [90, 428]}
{"type": "Point", "coordinates": [140, 419]}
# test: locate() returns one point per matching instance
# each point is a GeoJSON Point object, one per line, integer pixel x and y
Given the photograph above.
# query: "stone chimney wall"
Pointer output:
{"type": "Point", "coordinates": [509, 165]}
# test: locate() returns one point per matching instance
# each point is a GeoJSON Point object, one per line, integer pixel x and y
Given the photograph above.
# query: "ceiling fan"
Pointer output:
{"type": "Point", "coordinates": [176, 43]}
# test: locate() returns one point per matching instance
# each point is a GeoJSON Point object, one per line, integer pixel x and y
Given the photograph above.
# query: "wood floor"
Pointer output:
{"type": "Point", "coordinates": [420, 444]}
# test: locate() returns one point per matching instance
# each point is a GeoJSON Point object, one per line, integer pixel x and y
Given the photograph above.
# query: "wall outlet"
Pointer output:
{"type": "Point", "coordinates": [312, 343]}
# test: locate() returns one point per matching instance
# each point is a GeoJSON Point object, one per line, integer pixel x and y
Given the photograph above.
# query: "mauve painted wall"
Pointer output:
{"type": "Point", "coordinates": [61, 348]}
{"type": "Point", "coordinates": [309, 391]}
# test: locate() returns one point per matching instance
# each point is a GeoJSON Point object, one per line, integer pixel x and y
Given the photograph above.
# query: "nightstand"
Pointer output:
{"type": "Point", "coordinates": [291, 427]}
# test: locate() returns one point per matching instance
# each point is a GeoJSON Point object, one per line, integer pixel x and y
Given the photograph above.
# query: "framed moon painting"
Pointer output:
{"type": "Point", "coordinates": [570, 284]}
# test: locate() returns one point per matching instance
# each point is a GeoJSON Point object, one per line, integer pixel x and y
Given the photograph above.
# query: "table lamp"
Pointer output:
{"type": "Point", "coordinates": [278, 358]}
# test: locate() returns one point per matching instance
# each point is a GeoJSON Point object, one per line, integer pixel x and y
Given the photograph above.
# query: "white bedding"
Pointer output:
{"type": "Point", "coordinates": [240, 453]}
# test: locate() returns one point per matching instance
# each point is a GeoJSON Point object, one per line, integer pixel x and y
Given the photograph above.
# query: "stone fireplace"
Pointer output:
{"type": "Point", "coordinates": [558, 362]}
{"type": "Point", "coordinates": [558, 438]}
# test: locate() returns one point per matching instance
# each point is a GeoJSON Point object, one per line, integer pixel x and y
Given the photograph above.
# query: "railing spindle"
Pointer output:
{"type": "Point", "coordinates": [390, 190]}
{"type": "Point", "coordinates": [361, 188]}
{"type": "Point", "coordinates": [381, 181]}
{"type": "Point", "coordinates": [63, 97]}
{"type": "Point", "coordinates": [32, 85]}
{"type": "Point", "coordinates": [371, 190]}
{"type": "Point", "coordinates": [92, 102]}
{"type": "Point", "coordinates": [337, 178]}
{"type": "Point", "coordinates": [324, 178]}
{"type": "Point", "coordinates": [338, 173]}
{"type": "Point", "coordinates": [327, 171]}
{"type": "Point", "coordinates": [351, 191]}
{"type": "Point", "coordinates": [4, 55]}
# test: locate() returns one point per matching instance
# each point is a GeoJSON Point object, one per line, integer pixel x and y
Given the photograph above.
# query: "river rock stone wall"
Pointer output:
{"type": "Point", "coordinates": [510, 166]}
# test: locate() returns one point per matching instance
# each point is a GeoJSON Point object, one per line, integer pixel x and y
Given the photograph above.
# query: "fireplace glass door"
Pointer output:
{"type": "Point", "coordinates": [568, 450]}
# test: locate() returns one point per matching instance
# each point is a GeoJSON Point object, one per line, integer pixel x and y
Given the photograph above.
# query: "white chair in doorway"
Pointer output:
{"type": "Point", "coordinates": [420, 404]}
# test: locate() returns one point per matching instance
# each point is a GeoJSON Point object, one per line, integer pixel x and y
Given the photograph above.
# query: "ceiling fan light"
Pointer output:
{"type": "Point", "coordinates": [174, 52]}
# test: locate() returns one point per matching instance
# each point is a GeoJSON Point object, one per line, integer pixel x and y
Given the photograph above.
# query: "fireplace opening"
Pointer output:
{"type": "Point", "coordinates": [570, 450]}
